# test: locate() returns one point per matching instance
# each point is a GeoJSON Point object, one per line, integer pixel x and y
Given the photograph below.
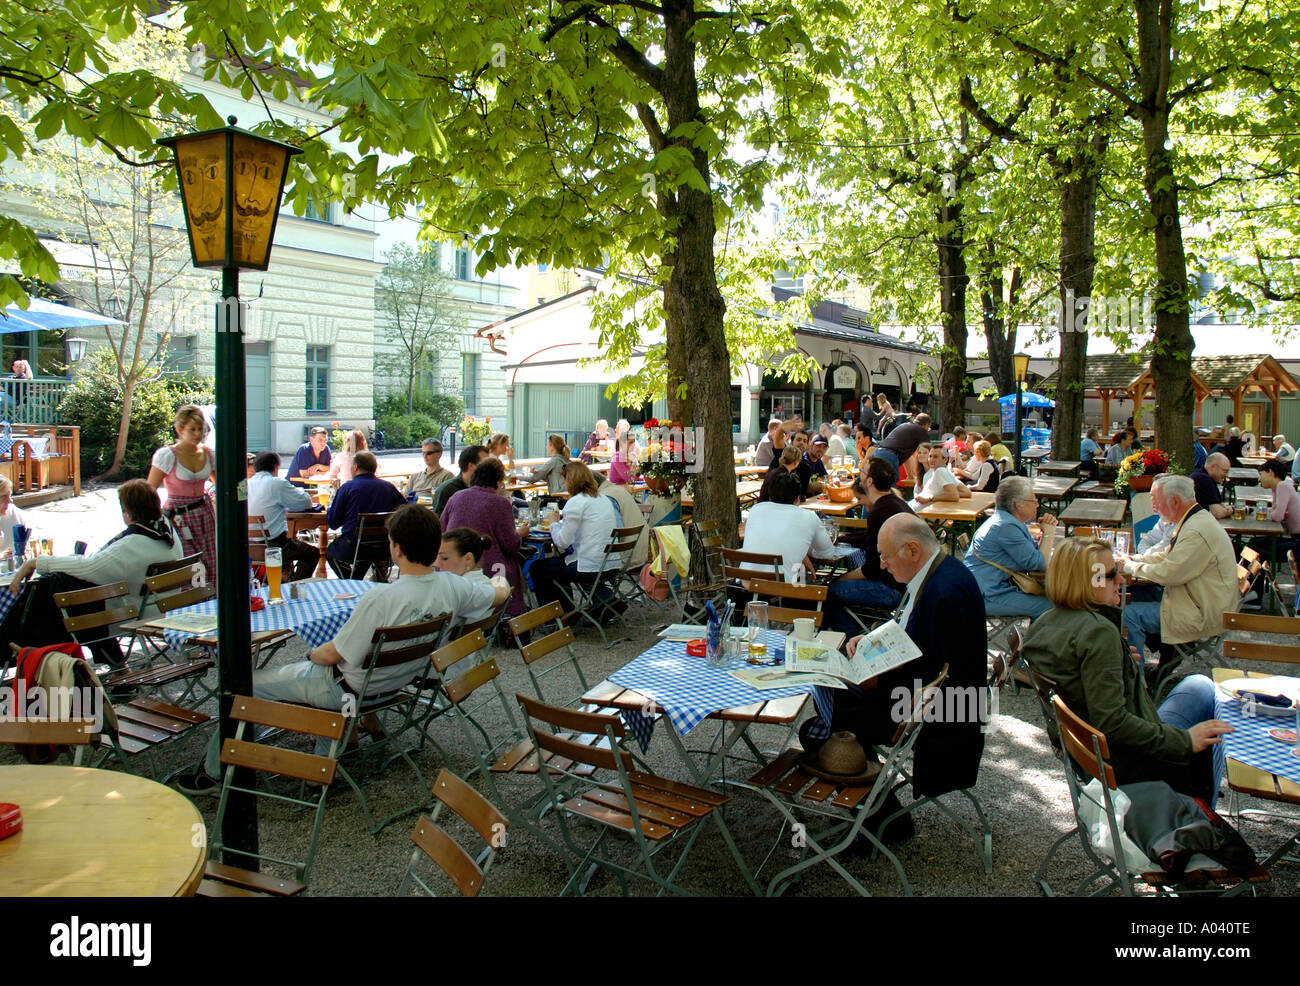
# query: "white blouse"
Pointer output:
{"type": "Point", "coordinates": [165, 458]}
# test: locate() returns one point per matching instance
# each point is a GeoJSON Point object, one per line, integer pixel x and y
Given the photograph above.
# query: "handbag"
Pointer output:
{"type": "Point", "coordinates": [654, 584]}
{"type": "Point", "coordinates": [1023, 581]}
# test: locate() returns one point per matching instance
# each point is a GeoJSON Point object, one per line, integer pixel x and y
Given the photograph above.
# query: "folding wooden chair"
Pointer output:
{"type": "Point", "coordinates": [797, 793]}
{"type": "Point", "coordinates": [704, 581]}
{"type": "Point", "coordinates": [100, 631]}
{"type": "Point", "coordinates": [653, 813]}
{"type": "Point", "coordinates": [391, 647]}
{"type": "Point", "coordinates": [1087, 753]}
{"type": "Point", "coordinates": [370, 547]}
{"type": "Point", "coordinates": [315, 774]}
{"type": "Point", "coordinates": [786, 592]}
{"type": "Point", "coordinates": [129, 729]}
{"type": "Point", "coordinates": [79, 734]}
{"type": "Point", "coordinates": [152, 585]}
{"type": "Point", "coordinates": [597, 602]}
{"type": "Point", "coordinates": [543, 657]}
{"type": "Point", "coordinates": [432, 842]}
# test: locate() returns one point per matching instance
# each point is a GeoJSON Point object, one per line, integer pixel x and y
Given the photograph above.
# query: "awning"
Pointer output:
{"type": "Point", "coordinates": [42, 314]}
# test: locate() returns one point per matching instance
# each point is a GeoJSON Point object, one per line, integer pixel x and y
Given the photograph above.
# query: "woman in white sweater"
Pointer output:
{"type": "Point", "coordinates": [583, 532]}
{"type": "Point", "coordinates": [34, 620]}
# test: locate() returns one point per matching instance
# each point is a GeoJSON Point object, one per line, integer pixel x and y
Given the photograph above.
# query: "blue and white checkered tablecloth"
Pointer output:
{"type": "Point", "coordinates": [7, 600]}
{"type": "Point", "coordinates": [1250, 742]}
{"type": "Point", "coordinates": [316, 616]}
{"type": "Point", "coordinates": [686, 689]}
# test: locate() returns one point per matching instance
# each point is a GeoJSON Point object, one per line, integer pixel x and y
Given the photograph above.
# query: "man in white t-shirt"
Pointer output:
{"type": "Point", "coordinates": [335, 669]}
{"type": "Point", "coordinates": [780, 527]}
{"type": "Point", "coordinates": [940, 484]}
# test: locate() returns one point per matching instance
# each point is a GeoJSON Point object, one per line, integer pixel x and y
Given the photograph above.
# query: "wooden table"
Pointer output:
{"type": "Point", "coordinates": [745, 490]}
{"type": "Point", "coordinates": [1243, 475]}
{"type": "Point", "coordinates": [1094, 488]}
{"type": "Point", "coordinates": [1252, 461]}
{"type": "Point", "coordinates": [1087, 513]}
{"type": "Point", "coordinates": [824, 506]}
{"type": "Point", "coordinates": [1053, 488]}
{"type": "Point", "coordinates": [1250, 527]}
{"type": "Point", "coordinates": [1032, 459]}
{"type": "Point", "coordinates": [752, 470]}
{"type": "Point", "coordinates": [307, 520]}
{"type": "Point", "coordinates": [1059, 467]}
{"type": "Point", "coordinates": [99, 833]}
{"type": "Point", "coordinates": [963, 513]}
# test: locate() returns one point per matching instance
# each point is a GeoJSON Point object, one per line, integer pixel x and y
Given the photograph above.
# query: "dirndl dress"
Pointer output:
{"type": "Point", "coordinates": [189, 508]}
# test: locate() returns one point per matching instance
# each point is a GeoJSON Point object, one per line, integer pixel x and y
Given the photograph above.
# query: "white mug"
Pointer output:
{"type": "Point", "coordinates": [804, 629]}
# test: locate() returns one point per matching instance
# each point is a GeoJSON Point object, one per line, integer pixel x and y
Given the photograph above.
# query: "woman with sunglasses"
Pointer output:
{"type": "Point", "coordinates": [1077, 644]}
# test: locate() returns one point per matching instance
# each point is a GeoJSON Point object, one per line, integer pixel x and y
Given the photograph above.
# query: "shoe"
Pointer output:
{"type": "Point", "coordinates": [197, 783]}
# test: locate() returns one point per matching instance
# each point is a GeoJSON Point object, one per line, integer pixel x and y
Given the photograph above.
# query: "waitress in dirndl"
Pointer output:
{"type": "Point", "coordinates": [184, 470]}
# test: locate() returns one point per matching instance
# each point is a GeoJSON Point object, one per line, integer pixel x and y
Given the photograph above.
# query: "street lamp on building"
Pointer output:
{"type": "Point", "coordinates": [1020, 366]}
{"type": "Point", "coordinates": [230, 183]}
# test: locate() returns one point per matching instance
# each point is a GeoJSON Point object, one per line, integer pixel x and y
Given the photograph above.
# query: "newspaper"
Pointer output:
{"type": "Point", "coordinates": [763, 679]}
{"type": "Point", "coordinates": [189, 622]}
{"type": "Point", "coordinates": [884, 648]}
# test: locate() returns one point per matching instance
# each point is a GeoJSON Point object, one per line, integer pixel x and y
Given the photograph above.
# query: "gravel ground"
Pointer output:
{"type": "Point", "coordinates": [1021, 787]}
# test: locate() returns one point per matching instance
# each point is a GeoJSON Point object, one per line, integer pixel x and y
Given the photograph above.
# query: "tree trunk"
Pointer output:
{"type": "Point", "coordinates": [1173, 342]}
{"type": "Point", "coordinates": [953, 280]}
{"type": "Point", "coordinates": [123, 426]}
{"type": "Point", "coordinates": [693, 305]}
{"type": "Point", "coordinates": [1002, 343]}
{"type": "Point", "coordinates": [1078, 204]}
{"type": "Point", "coordinates": [410, 390]}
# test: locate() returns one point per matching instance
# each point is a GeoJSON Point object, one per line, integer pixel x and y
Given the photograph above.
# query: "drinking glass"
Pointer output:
{"type": "Point", "coordinates": [756, 631]}
{"type": "Point", "coordinates": [274, 566]}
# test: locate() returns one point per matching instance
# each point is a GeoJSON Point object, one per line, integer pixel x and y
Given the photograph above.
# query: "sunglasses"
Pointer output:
{"type": "Point", "coordinates": [1112, 574]}
{"type": "Point", "coordinates": [431, 452]}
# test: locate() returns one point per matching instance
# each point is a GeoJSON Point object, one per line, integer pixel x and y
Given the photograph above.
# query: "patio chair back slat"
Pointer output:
{"type": "Point", "coordinates": [587, 723]}
{"type": "Point", "coordinates": [480, 814]}
{"type": "Point", "coordinates": [459, 649]}
{"type": "Point", "coordinates": [1084, 743]}
{"type": "Point", "coordinates": [62, 732]}
{"type": "Point", "coordinates": [535, 618]}
{"type": "Point", "coordinates": [547, 645]}
{"type": "Point", "coordinates": [199, 594]}
{"type": "Point", "coordinates": [95, 594]}
{"type": "Point", "coordinates": [275, 760]}
{"type": "Point", "coordinates": [93, 621]}
{"type": "Point", "coordinates": [466, 684]}
{"type": "Point", "coordinates": [594, 756]}
{"type": "Point", "coordinates": [298, 718]}
{"type": "Point", "coordinates": [1248, 651]}
{"type": "Point", "coordinates": [443, 851]}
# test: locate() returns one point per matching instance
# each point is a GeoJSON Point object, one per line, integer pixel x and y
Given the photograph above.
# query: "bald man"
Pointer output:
{"type": "Point", "coordinates": [1208, 481]}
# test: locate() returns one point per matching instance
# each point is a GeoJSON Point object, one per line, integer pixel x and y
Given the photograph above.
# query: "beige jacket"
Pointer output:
{"type": "Point", "coordinates": [1199, 573]}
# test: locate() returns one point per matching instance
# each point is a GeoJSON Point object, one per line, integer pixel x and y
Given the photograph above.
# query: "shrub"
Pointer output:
{"type": "Point", "coordinates": [94, 401]}
{"type": "Point", "coordinates": [433, 413]}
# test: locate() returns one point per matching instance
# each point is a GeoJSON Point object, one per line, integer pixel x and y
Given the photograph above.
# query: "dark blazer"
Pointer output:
{"type": "Point", "coordinates": [947, 623]}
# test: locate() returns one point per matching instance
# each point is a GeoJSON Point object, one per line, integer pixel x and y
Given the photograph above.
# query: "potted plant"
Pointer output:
{"type": "Point", "coordinates": [663, 460]}
{"type": "Point", "coordinates": [475, 432]}
{"type": "Point", "coordinates": [1139, 470]}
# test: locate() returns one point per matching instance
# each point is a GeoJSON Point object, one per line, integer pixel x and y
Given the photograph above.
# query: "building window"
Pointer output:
{"type": "Point", "coordinates": [462, 264]}
{"type": "Point", "coordinates": [181, 354]}
{"type": "Point", "coordinates": [322, 212]}
{"type": "Point", "coordinates": [44, 350]}
{"type": "Point", "coordinates": [318, 378]}
{"type": "Point", "coordinates": [469, 381]}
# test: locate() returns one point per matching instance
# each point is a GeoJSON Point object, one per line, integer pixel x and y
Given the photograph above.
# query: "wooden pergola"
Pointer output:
{"type": "Point", "coordinates": [1235, 376]}
{"type": "Point", "coordinates": [1109, 376]}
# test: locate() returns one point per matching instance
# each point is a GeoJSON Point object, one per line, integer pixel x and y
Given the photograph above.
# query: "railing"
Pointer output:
{"type": "Point", "coordinates": [34, 402]}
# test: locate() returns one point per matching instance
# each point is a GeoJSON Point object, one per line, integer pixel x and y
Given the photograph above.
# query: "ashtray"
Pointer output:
{"type": "Point", "coordinates": [696, 648]}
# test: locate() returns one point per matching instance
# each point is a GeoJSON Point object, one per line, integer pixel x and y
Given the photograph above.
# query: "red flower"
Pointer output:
{"type": "Point", "coordinates": [652, 423]}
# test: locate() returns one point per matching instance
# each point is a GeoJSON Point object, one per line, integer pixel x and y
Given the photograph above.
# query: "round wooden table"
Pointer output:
{"type": "Point", "coordinates": [99, 833]}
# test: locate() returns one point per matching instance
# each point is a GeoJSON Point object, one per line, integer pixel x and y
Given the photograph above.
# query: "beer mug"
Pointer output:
{"type": "Point", "coordinates": [274, 566]}
{"type": "Point", "coordinates": [756, 631]}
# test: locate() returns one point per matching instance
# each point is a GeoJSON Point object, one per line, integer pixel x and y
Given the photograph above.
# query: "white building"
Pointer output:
{"type": "Point", "coordinates": [548, 390]}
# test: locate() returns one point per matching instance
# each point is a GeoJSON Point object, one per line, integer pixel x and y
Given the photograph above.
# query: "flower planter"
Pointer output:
{"type": "Point", "coordinates": [1140, 484]}
{"type": "Point", "coordinates": [660, 486]}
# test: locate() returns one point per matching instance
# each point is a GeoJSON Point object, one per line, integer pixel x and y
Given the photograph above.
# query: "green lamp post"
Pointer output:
{"type": "Point", "coordinates": [231, 182]}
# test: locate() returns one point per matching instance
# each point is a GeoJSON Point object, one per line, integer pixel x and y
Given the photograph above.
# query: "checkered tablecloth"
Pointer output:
{"type": "Point", "coordinates": [686, 689]}
{"type": "Point", "coordinates": [316, 616]}
{"type": "Point", "coordinates": [1250, 742]}
{"type": "Point", "coordinates": [7, 600]}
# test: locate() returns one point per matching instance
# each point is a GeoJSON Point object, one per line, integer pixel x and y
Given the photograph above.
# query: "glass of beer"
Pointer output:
{"type": "Point", "coordinates": [1239, 512]}
{"type": "Point", "coordinates": [756, 631]}
{"type": "Point", "coordinates": [274, 565]}
{"type": "Point", "coordinates": [323, 494]}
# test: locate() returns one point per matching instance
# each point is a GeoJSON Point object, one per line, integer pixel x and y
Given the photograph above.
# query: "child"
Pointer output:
{"type": "Point", "coordinates": [460, 553]}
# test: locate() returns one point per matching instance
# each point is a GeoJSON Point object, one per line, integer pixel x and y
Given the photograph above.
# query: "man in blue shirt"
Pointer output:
{"type": "Point", "coordinates": [365, 493]}
{"type": "Point", "coordinates": [1004, 540]}
{"type": "Point", "coordinates": [312, 457]}
{"type": "Point", "coordinates": [1208, 483]}
{"type": "Point", "coordinates": [1199, 453]}
{"type": "Point", "coordinates": [812, 471]}
{"type": "Point", "coordinates": [269, 497]}
{"type": "Point", "coordinates": [1088, 449]}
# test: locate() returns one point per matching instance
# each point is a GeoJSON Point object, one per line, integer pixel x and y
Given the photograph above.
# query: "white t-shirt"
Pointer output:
{"type": "Point", "coordinates": [587, 524]}
{"type": "Point", "coordinates": [165, 458]}
{"type": "Point", "coordinates": [935, 481]}
{"type": "Point", "coordinates": [12, 516]}
{"type": "Point", "coordinates": [411, 599]}
{"type": "Point", "coordinates": [787, 530]}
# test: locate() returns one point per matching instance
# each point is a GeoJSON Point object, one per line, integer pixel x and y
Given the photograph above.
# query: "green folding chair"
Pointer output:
{"type": "Point", "coordinates": [434, 844]}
